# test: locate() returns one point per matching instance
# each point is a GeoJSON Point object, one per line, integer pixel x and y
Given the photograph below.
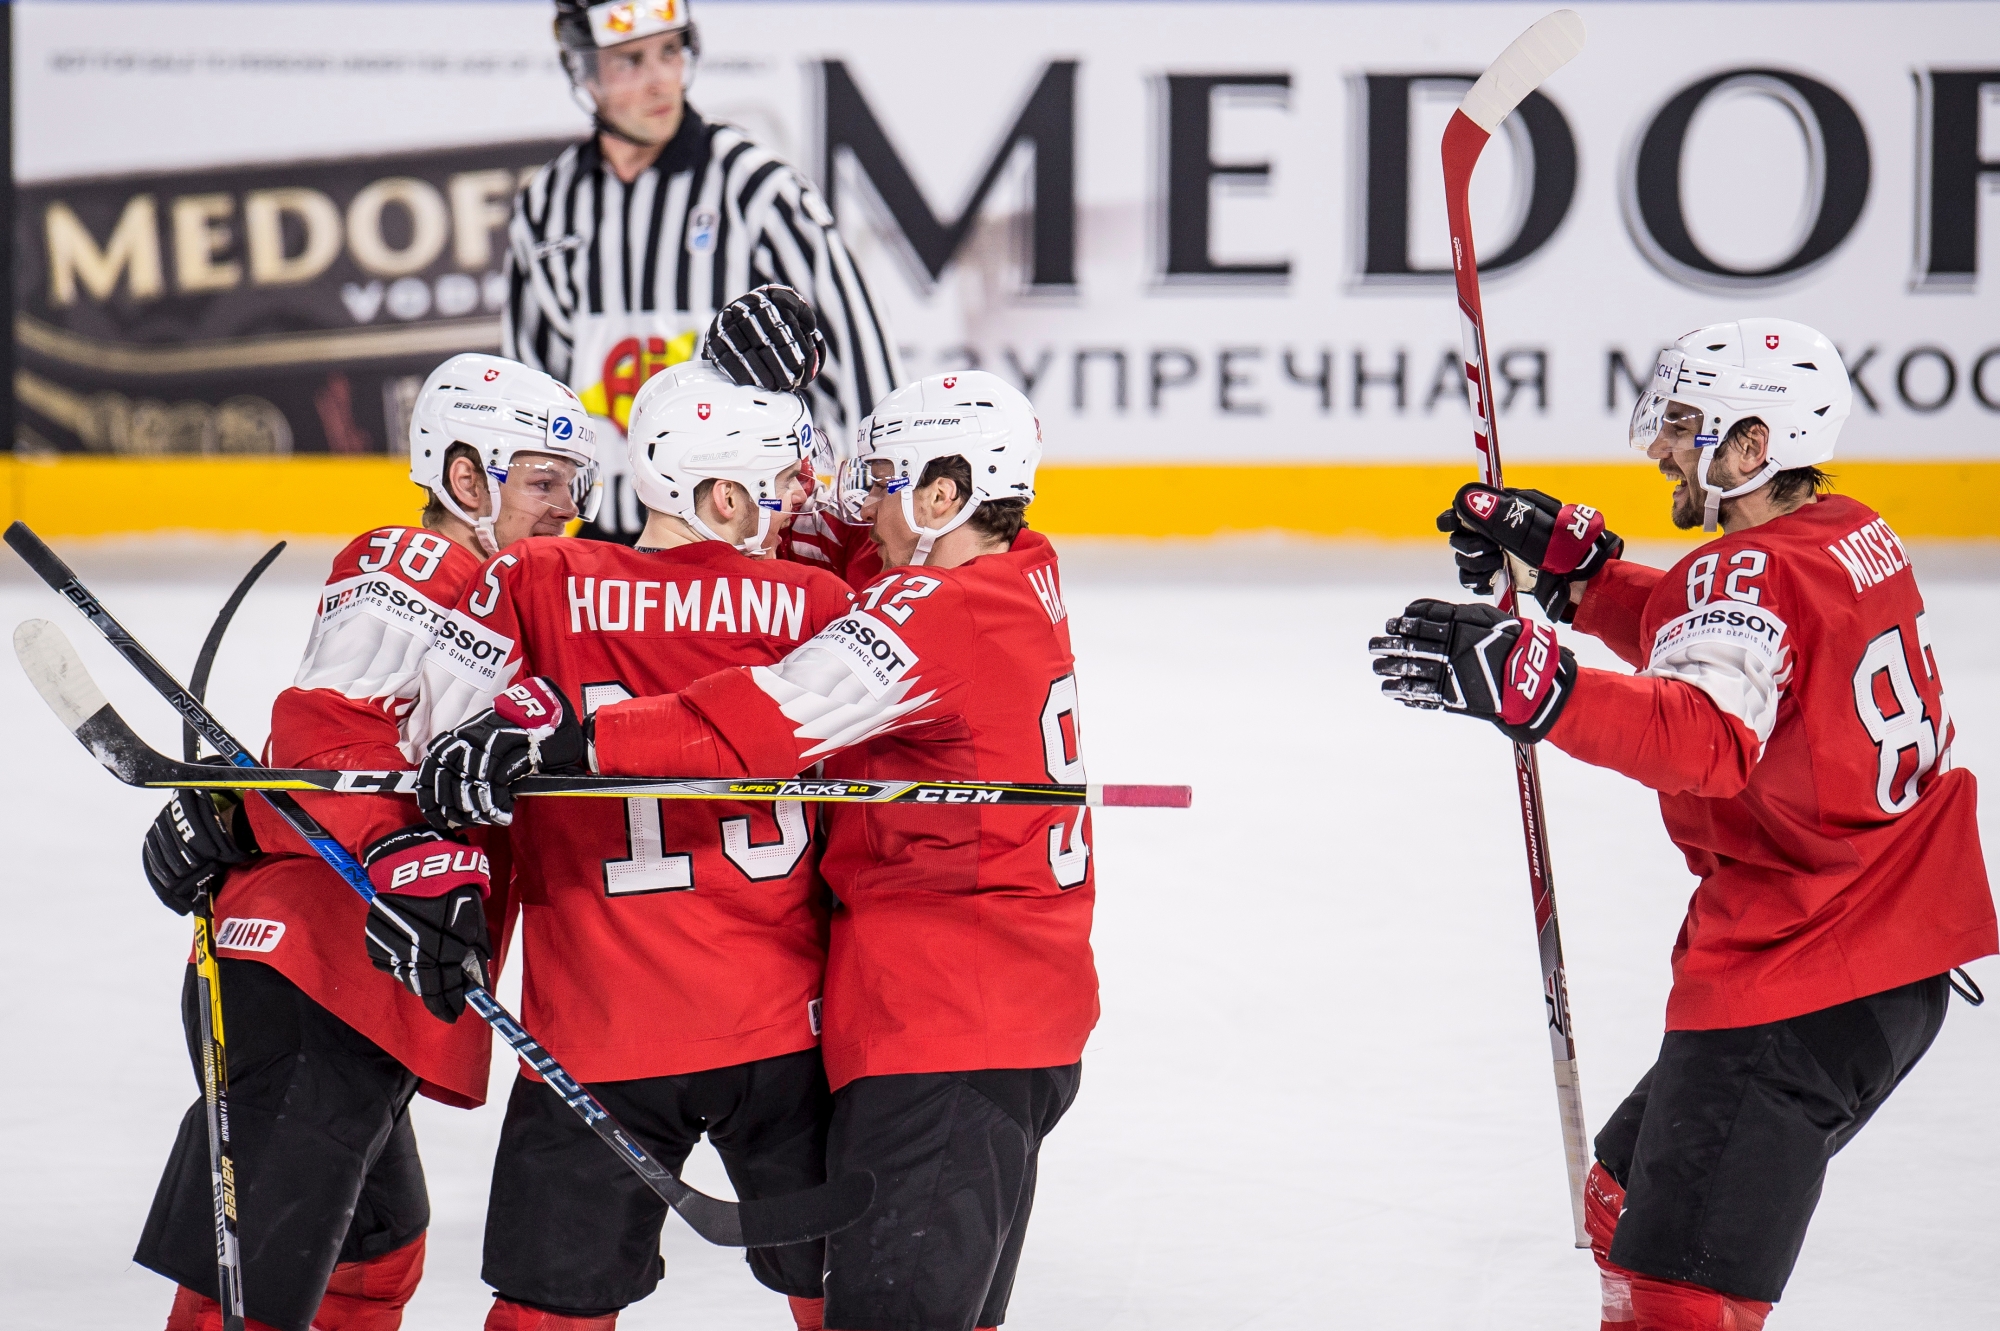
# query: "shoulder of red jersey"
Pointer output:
{"type": "Point", "coordinates": [414, 555]}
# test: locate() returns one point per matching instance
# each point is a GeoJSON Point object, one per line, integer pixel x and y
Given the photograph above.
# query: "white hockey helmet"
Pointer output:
{"type": "Point", "coordinates": [1785, 374]}
{"type": "Point", "coordinates": [972, 414]}
{"type": "Point", "coordinates": [689, 424]}
{"type": "Point", "coordinates": [500, 408]}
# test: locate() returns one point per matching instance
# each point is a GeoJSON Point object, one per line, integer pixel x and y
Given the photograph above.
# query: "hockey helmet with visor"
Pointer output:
{"type": "Point", "coordinates": [971, 414]}
{"type": "Point", "coordinates": [1782, 373]}
{"type": "Point", "coordinates": [517, 420]}
{"type": "Point", "coordinates": [691, 424]}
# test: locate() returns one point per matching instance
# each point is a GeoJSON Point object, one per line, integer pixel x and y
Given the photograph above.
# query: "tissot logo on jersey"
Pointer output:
{"type": "Point", "coordinates": [471, 651]}
{"type": "Point", "coordinates": [620, 605]}
{"type": "Point", "coordinates": [379, 595]}
{"type": "Point", "coordinates": [870, 649]}
{"type": "Point", "coordinates": [1732, 622]}
{"type": "Point", "coordinates": [1871, 555]}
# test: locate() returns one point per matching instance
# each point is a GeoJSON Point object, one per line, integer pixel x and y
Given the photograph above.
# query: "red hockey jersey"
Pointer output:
{"type": "Point", "coordinates": [351, 706]}
{"type": "Point", "coordinates": [659, 937]}
{"type": "Point", "coordinates": [824, 541]}
{"type": "Point", "coordinates": [961, 934]}
{"type": "Point", "coordinates": [1790, 712]}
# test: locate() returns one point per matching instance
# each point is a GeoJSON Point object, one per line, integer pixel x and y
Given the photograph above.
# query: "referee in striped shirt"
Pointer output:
{"type": "Point", "coordinates": [623, 248]}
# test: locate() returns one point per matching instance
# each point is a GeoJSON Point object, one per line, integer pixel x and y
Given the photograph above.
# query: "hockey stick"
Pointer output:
{"type": "Point", "coordinates": [204, 660]}
{"type": "Point", "coordinates": [59, 676]}
{"type": "Point", "coordinates": [129, 758]}
{"type": "Point", "coordinates": [208, 1006]}
{"type": "Point", "coordinates": [1537, 53]}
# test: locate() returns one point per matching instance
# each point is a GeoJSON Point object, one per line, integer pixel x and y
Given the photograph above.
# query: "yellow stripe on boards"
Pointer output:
{"type": "Point", "coordinates": [342, 496]}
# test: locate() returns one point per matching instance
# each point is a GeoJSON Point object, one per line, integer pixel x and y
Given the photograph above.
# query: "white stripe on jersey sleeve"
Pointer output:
{"type": "Point", "coordinates": [1734, 652]}
{"type": "Point", "coordinates": [849, 683]}
{"type": "Point", "coordinates": [369, 641]}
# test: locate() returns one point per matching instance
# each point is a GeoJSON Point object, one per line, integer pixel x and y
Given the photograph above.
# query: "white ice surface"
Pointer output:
{"type": "Point", "coordinates": [1320, 1095]}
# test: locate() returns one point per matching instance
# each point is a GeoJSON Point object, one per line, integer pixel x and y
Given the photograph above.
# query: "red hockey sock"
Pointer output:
{"type": "Point", "coordinates": [369, 1296]}
{"type": "Point", "coordinates": [198, 1312]}
{"type": "Point", "coordinates": [1603, 1201]}
{"type": "Point", "coordinates": [507, 1315]}
{"type": "Point", "coordinates": [806, 1313]}
{"type": "Point", "coordinates": [1670, 1305]}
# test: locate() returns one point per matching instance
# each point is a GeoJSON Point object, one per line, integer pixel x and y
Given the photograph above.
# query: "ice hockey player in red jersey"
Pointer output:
{"type": "Point", "coordinates": [1789, 710]}
{"type": "Point", "coordinates": [673, 951]}
{"type": "Point", "coordinates": [324, 1053]}
{"type": "Point", "coordinates": [960, 986]}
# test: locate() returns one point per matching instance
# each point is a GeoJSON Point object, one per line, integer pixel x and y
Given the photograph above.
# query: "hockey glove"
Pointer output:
{"type": "Point", "coordinates": [428, 916]}
{"type": "Point", "coordinates": [197, 839]}
{"type": "Point", "coordinates": [768, 339]}
{"type": "Point", "coordinates": [1475, 660]}
{"type": "Point", "coordinates": [468, 773]}
{"type": "Point", "coordinates": [1563, 543]}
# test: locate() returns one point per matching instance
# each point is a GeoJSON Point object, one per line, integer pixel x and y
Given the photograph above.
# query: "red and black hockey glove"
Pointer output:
{"type": "Point", "coordinates": [1563, 543]}
{"type": "Point", "coordinates": [196, 840]}
{"type": "Point", "coordinates": [767, 339]}
{"type": "Point", "coordinates": [468, 773]}
{"type": "Point", "coordinates": [428, 916]}
{"type": "Point", "coordinates": [1475, 660]}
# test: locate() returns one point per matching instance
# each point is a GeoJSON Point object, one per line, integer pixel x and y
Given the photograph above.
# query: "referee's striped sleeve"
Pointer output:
{"type": "Point", "coordinates": [535, 329]}
{"type": "Point", "coordinates": [798, 244]}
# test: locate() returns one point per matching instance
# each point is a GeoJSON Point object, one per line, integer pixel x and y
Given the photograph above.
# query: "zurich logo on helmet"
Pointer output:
{"type": "Point", "coordinates": [562, 427]}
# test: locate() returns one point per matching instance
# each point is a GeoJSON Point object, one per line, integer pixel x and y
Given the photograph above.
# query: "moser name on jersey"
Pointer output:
{"type": "Point", "coordinates": [619, 605]}
{"type": "Point", "coordinates": [1734, 623]}
{"type": "Point", "coordinates": [249, 935]}
{"type": "Point", "coordinates": [1871, 555]}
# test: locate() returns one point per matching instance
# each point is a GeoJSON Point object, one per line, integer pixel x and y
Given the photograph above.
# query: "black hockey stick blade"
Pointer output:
{"type": "Point", "coordinates": [204, 661]}
{"type": "Point", "coordinates": [800, 1217]}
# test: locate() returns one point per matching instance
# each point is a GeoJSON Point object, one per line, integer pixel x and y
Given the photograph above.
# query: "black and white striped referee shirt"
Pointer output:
{"type": "Point", "coordinates": [610, 283]}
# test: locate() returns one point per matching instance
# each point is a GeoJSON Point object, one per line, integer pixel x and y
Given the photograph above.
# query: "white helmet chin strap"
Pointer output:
{"type": "Point", "coordinates": [752, 546]}
{"type": "Point", "coordinates": [1712, 498]}
{"type": "Point", "coordinates": [927, 536]}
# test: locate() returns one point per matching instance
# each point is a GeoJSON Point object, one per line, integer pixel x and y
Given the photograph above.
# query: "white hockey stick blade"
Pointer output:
{"type": "Point", "coordinates": [53, 667]}
{"type": "Point", "coordinates": [1551, 43]}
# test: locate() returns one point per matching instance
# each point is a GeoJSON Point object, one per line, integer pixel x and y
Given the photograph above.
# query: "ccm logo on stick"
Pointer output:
{"type": "Point", "coordinates": [249, 935]}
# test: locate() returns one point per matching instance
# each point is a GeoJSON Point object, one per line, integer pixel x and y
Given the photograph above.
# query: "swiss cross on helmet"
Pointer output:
{"type": "Point", "coordinates": [690, 424]}
{"type": "Point", "coordinates": [499, 408]}
{"type": "Point", "coordinates": [1784, 374]}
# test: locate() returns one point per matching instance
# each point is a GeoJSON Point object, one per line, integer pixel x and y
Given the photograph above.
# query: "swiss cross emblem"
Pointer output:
{"type": "Point", "coordinates": [701, 409]}
{"type": "Point", "coordinates": [1770, 341]}
{"type": "Point", "coordinates": [491, 375]}
{"type": "Point", "coordinates": [951, 381]}
{"type": "Point", "coordinates": [1482, 502]}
